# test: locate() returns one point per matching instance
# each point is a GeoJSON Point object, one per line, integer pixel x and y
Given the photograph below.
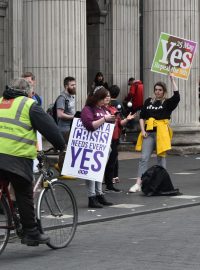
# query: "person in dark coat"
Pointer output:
{"type": "Point", "coordinates": [99, 81]}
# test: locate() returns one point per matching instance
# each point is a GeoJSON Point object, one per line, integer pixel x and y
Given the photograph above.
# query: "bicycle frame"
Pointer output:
{"type": "Point", "coordinates": [43, 185]}
{"type": "Point", "coordinates": [37, 183]}
{"type": "Point", "coordinates": [43, 173]}
{"type": "Point", "coordinates": [4, 191]}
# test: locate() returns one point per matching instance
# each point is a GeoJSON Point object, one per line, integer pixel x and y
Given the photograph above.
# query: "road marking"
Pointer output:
{"type": "Point", "coordinates": [124, 205]}
{"type": "Point", "coordinates": [52, 217]}
{"type": "Point", "coordinates": [185, 173]}
{"type": "Point", "coordinates": [132, 178]}
{"type": "Point", "coordinates": [188, 197]}
{"type": "Point", "coordinates": [197, 158]}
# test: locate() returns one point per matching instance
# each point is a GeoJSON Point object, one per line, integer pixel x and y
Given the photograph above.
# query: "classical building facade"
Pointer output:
{"type": "Point", "coordinates": [57, 38]}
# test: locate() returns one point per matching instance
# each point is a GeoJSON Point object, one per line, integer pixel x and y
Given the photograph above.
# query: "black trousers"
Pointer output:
{"type": "Point", "coordinates": [116, 169]}
{"type": "Point", "coordinates": [24, 197]}
{"type": "Point", "coordinates": [110, 166]}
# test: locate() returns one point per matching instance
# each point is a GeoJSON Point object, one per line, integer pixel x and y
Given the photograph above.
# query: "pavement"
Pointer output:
{"type": "Point", "coordinates": [184, 172]}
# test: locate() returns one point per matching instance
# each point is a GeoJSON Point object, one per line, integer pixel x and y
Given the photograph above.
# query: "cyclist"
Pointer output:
{"type": "Point", "coordinates": [20, 117]}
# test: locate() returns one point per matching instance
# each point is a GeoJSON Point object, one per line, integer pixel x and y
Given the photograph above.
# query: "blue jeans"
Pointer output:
{"type": "Point", "coordinates": [94, 188]}
{"type": "Point", "coordinates": [148, 146]}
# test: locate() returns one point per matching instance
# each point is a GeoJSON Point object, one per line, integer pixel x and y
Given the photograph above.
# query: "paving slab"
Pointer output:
{"type": "Point", "coordinates": [184, 172]}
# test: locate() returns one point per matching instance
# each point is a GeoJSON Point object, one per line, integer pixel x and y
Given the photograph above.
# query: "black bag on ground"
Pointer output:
{"type": "Point", "coordinates": [157, 182]}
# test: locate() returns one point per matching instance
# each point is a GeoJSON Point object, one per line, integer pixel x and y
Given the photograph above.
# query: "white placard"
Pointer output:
{"type": "Point", "coordinates": [174, 55]}
{"type": "Point", "coordinates": [39, 141]}
{"type": "Point", "coordinates": [39, 148]}
{"type": "Point", "coordinates": [87, 152]}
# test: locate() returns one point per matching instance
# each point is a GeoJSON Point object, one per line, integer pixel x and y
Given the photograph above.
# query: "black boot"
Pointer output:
{"type": "Point", "coordinates": [111, 188]}
{"type": "Point", "coordinates": [93, 203]}
{"type": "Point", "coordinates": [32, 237]}
{"type": "Point", "coordinates": [101, 199]}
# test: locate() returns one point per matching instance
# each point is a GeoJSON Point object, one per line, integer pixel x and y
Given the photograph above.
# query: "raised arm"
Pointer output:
{"type": "Point", "coordinates": [174, 85]}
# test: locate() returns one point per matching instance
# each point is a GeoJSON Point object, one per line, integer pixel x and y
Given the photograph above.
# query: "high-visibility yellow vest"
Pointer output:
{"type": "Point", "coordinates": [17, 137]}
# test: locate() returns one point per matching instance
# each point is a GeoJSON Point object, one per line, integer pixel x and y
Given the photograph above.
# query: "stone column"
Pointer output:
{"type": "Point", "coordinates": [13, 39]}
{"type": "Point", "coordinates": [122, 42]}
{"type": "Point", "coordinates": [3, 73]}
{"type": "Point", "coordinates": [179, 18]}
{"type": "Point", "coordinates": [54, 45]}
{"type": "Point", "coordinates": [95, 42]}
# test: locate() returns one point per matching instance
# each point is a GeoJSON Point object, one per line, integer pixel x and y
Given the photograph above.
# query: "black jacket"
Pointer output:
{"type": "Point", "coordinates": [159, 110]}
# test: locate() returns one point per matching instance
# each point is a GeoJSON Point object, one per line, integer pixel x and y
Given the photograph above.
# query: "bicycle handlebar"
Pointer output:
{"type": "Point", "coordinates": [41, 154]}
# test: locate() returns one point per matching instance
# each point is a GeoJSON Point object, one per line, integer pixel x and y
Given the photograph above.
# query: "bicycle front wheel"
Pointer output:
{"type": "Point", "coordinates": [5, 223]}
{"type": "Point", "coordinates": [58, 214]}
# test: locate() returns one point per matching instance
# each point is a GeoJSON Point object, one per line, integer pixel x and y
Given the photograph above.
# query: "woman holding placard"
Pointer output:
{"type": "Point", "coordinates": [93, 115]}
{"type": "Point", "coordinates": [155, 131]}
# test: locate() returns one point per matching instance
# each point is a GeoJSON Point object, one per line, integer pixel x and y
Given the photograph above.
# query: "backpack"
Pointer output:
{"type": "Point", "coordinates": [52, 110]}
{"type": "Point", "coordinates": [38, 99]}
{"type": "Point", "coordinates": [156, 182]}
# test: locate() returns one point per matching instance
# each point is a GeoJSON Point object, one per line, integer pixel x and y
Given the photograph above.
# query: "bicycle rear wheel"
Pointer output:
{"type": "Point", "coordinates": [58, 214]}
{"type": "Point", "coordinates": [5, 223]}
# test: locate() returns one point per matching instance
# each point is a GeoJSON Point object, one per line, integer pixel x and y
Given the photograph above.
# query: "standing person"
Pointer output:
{"type": "Point", "coordinates": [30, 77]}
{"type": "Point", "coordinates": [155, 131]}
{"type": "Point", "coordinates": [99, 81]}
{"type": "Point", "coordinates": [113, 157]}
{"type": "Point", "coordinates": [114, 102]}
{"type": "Point", "coordinates": [114, 93]}
{"type": "Point", "coordinates": [65, 106]}
{"type": "Point", "coordinates": [20, 117]}
{"type": "Point", "coordinates": [135, 95]}
{"type": "Point", "coordinates": [93, 116]}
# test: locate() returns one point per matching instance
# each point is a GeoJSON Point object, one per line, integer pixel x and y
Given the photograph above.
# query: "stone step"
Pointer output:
{"type": "Point", "coordinates": [128, 141]}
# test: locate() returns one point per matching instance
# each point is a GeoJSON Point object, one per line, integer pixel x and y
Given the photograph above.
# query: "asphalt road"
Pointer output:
{"type": "Point", "coordinates": [156, 239]}
{"type": "Point", "coordinates": [161, 241]}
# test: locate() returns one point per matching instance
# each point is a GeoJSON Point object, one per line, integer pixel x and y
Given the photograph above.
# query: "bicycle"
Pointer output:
{"type": "Point", "coordinates": [56, 210]}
